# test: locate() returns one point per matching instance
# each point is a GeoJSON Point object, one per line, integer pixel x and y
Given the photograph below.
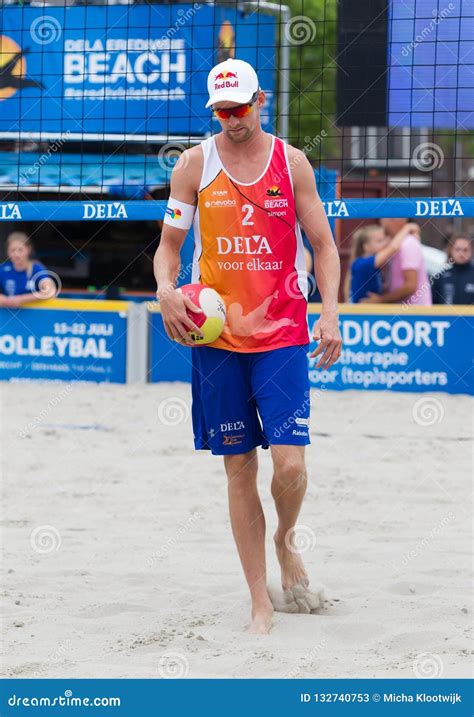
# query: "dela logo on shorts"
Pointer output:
{"type": "Point", "coordinates": [232, 426]}
{"type": "Point", "coordinates": [232, 440]}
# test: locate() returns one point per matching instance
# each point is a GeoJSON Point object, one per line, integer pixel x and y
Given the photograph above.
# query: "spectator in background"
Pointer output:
{"type": "Point", "coordinates": [23, 279]}
{"type": "Point", "coordinates": [371, 250]}
{"type": "Point", "coordinates": [455, 285]}
{"type": "Point", "coordinates": [408, 279]}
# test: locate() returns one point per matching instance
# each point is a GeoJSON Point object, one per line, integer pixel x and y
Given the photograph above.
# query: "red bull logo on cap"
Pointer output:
{"type": "Point", "coordinates": [225, 79]}
{"type": "Point", "coordinates": [224, 75]}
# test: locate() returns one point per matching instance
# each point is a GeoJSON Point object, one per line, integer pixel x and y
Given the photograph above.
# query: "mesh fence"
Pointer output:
{"type": "Point", "coordinates": [97, 102]}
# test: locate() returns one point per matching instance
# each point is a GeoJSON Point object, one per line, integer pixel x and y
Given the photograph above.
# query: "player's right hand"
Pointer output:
{"type": "Point", "coordinates": [177, 323]}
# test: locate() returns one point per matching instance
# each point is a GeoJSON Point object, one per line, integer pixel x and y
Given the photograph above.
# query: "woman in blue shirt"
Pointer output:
{"type": "Point", "coordinates": [22, 278]}
{"type": "Point", "coordinates": [371, 250]}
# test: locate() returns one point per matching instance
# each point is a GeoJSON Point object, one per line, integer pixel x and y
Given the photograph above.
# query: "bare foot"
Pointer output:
{"type": "Point", "coordinates": [261, 619]}
{"type": "Point", "coordinates": [292, 568]}
{"type": "Point", "coordinates": [297, 597]}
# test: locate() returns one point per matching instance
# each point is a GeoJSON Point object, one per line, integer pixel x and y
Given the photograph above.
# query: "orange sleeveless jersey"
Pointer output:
{"type": "Point", "coordinates": [248, 247]}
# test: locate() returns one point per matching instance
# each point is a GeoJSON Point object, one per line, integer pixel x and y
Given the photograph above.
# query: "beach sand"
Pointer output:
{"type": "Point", "coordinates": [119, 559]}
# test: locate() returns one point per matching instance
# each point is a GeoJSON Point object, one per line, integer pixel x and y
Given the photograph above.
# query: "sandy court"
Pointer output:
{"type": "Point", "coordinates": [119, 559]}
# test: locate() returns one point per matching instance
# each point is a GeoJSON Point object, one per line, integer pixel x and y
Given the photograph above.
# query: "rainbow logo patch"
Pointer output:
{"type": "Point", "coordinates": [174, 213]}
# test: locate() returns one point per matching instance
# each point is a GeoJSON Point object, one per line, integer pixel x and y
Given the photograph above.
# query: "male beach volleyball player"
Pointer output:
{"type": "Point", "coordinates": [246, 193]}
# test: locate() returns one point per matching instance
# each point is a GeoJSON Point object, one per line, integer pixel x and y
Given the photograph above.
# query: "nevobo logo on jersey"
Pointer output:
{"type": "Point", "coordinates": [219, 203]}
{"type": "Point", "coordinates": [10, 211]}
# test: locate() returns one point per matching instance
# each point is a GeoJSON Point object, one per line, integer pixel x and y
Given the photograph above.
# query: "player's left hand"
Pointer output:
{"type": "Point", "coordinates": [326, 331]}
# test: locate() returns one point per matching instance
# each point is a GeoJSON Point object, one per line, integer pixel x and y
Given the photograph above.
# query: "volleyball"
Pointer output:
{"type": "Point", "coordinates": [212, 320]}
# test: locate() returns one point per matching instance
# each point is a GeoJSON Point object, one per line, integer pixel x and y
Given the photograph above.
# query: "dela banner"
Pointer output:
{"type": "Point", "coordinates": [411, 350]}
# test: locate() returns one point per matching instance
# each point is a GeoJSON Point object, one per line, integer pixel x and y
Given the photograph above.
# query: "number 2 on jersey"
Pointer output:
{"type": "Point", "coordinates": [249, 211]}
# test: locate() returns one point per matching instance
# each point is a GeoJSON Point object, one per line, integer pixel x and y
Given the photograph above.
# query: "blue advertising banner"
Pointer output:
{"type": "Point", "coordinates": [405, 350]}
{"type": "Point", "coordinates": [168, 360]}
{"type": "Point", "coordinates": [143, 210]}
{"type": "Point", "coordinates": [115, 70]}
{"type": "Point", "coordinates": [215, 697]}
{"type": "Point", "coordinates": [414, 349]}
{"type": "Point", "coordinates": [68, 344]}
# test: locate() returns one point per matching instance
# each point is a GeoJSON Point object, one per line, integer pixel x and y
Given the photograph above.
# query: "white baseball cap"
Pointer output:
{"type": "Point", "coordinates": [232, 81]}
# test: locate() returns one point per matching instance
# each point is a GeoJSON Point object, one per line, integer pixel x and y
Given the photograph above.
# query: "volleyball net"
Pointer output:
{"type": "Point", "coordinates": [98, 101]}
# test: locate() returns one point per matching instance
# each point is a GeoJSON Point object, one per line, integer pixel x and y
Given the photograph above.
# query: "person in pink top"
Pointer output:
{"type": "Point", "coordinates": [408, 279]}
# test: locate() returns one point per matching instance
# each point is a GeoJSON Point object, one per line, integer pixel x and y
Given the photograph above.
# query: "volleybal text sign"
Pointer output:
{"type": "Point", "coordinates": [401, 353]}
{"type": "Point", "coordinates": [140, 70]}
{"type": "Point", "coordinates": [66, 345]}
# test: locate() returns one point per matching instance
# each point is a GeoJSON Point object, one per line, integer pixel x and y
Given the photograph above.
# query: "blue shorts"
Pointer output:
{"type": "Point", "coordinates": [244, 400]}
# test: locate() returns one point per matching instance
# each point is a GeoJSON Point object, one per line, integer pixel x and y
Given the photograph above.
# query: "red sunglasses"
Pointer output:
{"type": "Point", "coordinates": [239, 111]}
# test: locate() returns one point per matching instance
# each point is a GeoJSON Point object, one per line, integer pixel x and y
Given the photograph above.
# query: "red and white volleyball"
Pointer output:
{"type": "Point", "coordinates": [212, 319]}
